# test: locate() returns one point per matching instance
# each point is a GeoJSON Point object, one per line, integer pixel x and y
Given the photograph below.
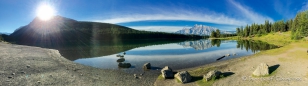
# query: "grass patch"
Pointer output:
{"type": "Point", "coordinates": [177, 80]}
{"type": "Point", "coordinates": [201, 71]}
{"type": "Point", "coordinates": [279, 39]}
{"type": "Point", "coordinates": [204, 83]}
{"type": "Point", "coordinates": [160, 77]}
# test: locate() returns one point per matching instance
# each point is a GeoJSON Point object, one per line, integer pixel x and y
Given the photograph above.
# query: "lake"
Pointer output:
{"type": "Point", "coordinates": [175, 54]}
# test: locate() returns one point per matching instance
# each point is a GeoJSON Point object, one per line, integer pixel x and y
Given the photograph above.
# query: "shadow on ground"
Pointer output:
{"type": "Point", "coordinates": [271, 69]}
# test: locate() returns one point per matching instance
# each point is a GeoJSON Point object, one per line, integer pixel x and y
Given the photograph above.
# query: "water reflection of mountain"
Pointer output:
{"type": "Point", "coordinates": [198, 45]}
{"type": "Point", "coordinates": [103, 48]}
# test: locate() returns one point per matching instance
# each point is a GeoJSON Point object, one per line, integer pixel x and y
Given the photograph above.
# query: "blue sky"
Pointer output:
{"type": "Point", "coordinates": [155, 15]}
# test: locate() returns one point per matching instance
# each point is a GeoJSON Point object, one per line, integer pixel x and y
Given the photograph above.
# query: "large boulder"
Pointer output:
{"type": "Point", "coordinates": [167, 72]}
{"type": "Point", "coordinates": [262, 70]}
{"type": "Point", "coordinates": [211, 75]}
{"type": "Point", "coordinates": [147, 66]}
{"type": "Point", "coordinates": [183, 76]}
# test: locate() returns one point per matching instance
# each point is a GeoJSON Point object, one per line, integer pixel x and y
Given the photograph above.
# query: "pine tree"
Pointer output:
{"type": "Point", "coordinates": [218, 33]}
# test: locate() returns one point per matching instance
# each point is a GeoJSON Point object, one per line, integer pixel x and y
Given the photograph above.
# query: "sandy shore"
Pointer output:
{"type": "Point", "coordinates": [288, 66]}
{"type": "Point", "coordinates": [31, 66]}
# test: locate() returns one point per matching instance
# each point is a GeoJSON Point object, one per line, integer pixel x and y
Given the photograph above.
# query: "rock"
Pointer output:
{"type": "Point", "coordinates": [38, 81]}
{"type": "Point", "coordinates": [135, 75]}
{"type": "Point", "coordinates": [13, 73]}
{"type": "Point", "coordinates": [147, 66]}
{"type": "Point", "coordinates": [121, 59]}
{"type": "Point", "coordinates": [141, 74]}
{"type": "Point", "coordinates": [183, 76]}
{"type": "Point", "coordinates": [228, 55]}
{"type": "Point", "coordinates": [28, 66]}
{"type": "Point", "coordinates": [23, 72]}
{"type": "Point", "coordinates": [167, 72]}
{"type": "Point", "coordinates": [10, 77]}
{"type": "Point", "coordinates": [124, 65]}
{"type": "Point", "coordinates": [262, 70]}
{"type": "Point", "coordinates": [211, 75]}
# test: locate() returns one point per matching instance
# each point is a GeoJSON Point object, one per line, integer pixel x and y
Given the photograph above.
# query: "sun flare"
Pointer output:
{"type": "Point", "coordinates": [45, 12]}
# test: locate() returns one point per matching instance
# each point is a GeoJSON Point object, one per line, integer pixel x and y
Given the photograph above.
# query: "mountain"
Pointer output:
{"type": "Point", "coordinates": [197, 30]}
{"type": "Point", "coordinates": [201, 30]}
{"type": "Point", "coordinates": [61, 31]}
{"type": "Point", "coordinates": [81, 39]}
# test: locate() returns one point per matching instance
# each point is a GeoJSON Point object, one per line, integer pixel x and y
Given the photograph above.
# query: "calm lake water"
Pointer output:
{"type": "Point", "coordinates": [178, 55]}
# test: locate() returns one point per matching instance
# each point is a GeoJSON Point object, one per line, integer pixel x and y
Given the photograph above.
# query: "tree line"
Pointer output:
{"type": "Point", "coordinates": [217, 34]}
{"type": "Point", "coordinates": [298, 27]}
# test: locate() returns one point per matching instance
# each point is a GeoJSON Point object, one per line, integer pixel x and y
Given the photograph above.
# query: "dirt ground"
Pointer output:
{"type": "Point", "coordinates": [34, 66]}
{"type": "Point", "coordinates": [288, 66]}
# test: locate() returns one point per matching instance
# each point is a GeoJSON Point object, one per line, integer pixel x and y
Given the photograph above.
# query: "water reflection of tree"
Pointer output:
{"type": "Point", "coordinates": [216, 42]}
{"type": "Point", "coordinates": [254, 45]}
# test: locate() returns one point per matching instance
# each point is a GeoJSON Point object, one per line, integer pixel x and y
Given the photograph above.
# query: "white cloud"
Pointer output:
{"type": "Point", "coordinates": [249, 14]}
{"type": "Point", "coordinates": [173, 14]}
{"type": "Point", "coordinates": [158, 28]}
{"type": "Point", "coordinates": [304, 7]}
{"type": "Point", "coordinates": [185, 14]}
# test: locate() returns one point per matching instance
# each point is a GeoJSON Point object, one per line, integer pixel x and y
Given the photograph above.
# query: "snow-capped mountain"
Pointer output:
{"type": "Point", "coordinates": [197, 30]}
{"type": "Point", "coordinates": [201, 30]}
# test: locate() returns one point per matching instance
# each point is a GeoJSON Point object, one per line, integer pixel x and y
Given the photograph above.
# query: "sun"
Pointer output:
{"type": "Point", "coordinates": [45, 12]}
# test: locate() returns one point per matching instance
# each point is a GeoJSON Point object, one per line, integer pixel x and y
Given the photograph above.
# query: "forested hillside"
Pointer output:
{"type": "Point", "coordinates": [298, 27]}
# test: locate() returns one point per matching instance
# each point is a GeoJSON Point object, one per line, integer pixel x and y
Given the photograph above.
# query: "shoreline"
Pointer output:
{"type": "Point", "coordinates": [27, 65]}
{"type": "Point", "coordinates": [290, 60]}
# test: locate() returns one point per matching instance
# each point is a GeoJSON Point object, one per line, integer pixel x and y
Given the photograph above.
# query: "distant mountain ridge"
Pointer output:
{"type": "Point", "coordinates": [4, 33]}
{"type": "Point", "coordinates": [201, 30]}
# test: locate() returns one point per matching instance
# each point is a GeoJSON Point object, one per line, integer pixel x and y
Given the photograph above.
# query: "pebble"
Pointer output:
{"type": "Point", "coordinates": [135, 75]}
{"type": "Point", "coordinates": [13, 73]}
{"type": "Point", "coordinates": [38, 81]}
{"type": "Point", "coordinates": [28, 66]}
{"type": "Point", "coordinates": [10, 77]}
{"type": "Point", "coordinates": [141, 74]}
{"type": "Point", "coordinates": [23, 72]}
